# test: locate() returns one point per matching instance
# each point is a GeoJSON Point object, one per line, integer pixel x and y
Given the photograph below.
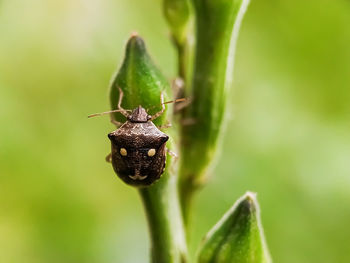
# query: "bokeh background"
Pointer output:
{"type": "Point", "coordinates": [288, 138]}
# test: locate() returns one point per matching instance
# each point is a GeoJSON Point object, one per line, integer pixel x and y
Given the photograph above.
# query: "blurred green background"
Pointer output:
{"type": "Point", "coordinates": [288, 138]}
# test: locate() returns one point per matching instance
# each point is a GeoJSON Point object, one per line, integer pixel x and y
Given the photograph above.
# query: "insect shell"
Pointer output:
{"type": "Point", "coordinates": [138, 149]}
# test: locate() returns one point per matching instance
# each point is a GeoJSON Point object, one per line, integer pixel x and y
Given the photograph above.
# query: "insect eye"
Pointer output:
{"type": "Point", "coordinates": [123, 152]}
{"type": "Point", "coordinates": [151, 152]}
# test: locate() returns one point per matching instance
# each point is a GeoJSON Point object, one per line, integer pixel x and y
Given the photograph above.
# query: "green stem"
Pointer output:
{"type": "Point", "coordinates": [179, 15]}
{"type": "Point", "coordinates": [185, 52]}
{"type": "Point", "coordinates": [165, 221]}
{"type": "Point", "coordinates": [182, 58]}
{"type": "Point", "coordinates": [217, 25]}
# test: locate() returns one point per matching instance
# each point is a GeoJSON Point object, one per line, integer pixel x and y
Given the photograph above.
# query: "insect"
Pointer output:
{"type": "Point", "coordinates": [138, 147]}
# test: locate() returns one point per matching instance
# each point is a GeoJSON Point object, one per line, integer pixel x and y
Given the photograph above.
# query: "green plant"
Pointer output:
{"type": "Point", "coordinates": [205, 63]}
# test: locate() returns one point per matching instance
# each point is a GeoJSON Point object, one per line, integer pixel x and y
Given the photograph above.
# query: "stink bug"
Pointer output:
{"type": "Point", "coordinates": [138, 152]}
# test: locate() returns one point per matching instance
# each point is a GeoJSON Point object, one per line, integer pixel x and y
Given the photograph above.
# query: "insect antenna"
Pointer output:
{"type": "Point", "coordinates": [168, 102]}
{"type": "Point", "coordinates": [106, 112]}
{"type": "Point", "coordinates": [174, 101]}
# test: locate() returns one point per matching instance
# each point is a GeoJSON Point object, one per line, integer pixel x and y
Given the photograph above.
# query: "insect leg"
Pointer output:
{"type": "Point", "coordinates": [121, 110]}
{"type": "Point", "coordinates": [116, 123]}
{"type": "Point", "coordinates": [179, 106]}
{"type": "Point", "coordinates": [165, 126]}
{"type": "Point", "coordinates": [178, 87]}
{"type": "Point", "coordinates": [188, 121]}
{"type": "Point", "coordinates": [155, 116]}
{"type": "Point", "coordinates": [109, 158]}
{"type": "Point", "coordinates": [172, 154]}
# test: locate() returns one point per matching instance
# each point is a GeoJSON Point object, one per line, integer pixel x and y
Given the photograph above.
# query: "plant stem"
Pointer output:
{"type": "Point", "coordinates": [217, 25]}
{"type": "Point", "coordinates": [185, 62]}
{"type": "Point", "coordinates": [165, 221]}
{"type": "Point", "coordinates": [179, 15]}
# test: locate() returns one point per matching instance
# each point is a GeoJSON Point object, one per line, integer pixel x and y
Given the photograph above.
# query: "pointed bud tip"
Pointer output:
{"type": "Point", "coordinates": [238, 236]}
{"type": "Point", "coordinates": [135, 45]}
{"type": "Point", "coordinates": [250, 196]}
{"type": "Point", "coordinates": [248, 202]}
{"type": "Point", "coordinates": [135, 39]}
{"type": "Point", "coordinates": [134, 34]}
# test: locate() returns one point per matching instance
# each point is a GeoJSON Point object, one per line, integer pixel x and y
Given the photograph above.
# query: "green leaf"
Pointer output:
{"type": "Point", "coordinates": [238, 237]}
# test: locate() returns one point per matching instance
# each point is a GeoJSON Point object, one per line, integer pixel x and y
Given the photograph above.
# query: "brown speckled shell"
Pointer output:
{"type": "Point", "coordinates": [137, 138]}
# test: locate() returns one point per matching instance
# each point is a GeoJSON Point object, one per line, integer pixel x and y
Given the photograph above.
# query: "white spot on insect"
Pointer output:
{"type": "Point", "coordinates": [137, 176]}
{"type": "Point", "coordinates": [151, 152]}
{"type": "Point", "coordinates": [123, 152]}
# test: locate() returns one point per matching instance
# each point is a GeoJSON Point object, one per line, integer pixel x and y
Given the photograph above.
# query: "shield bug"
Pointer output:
{"type": "Point", "coordinates": [138, 147]}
